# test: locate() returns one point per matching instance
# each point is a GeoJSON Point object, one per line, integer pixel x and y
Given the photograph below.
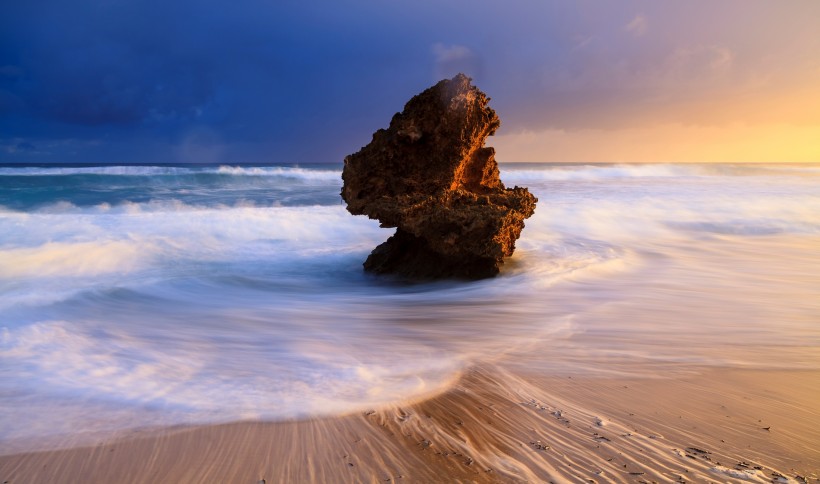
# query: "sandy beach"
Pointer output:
{"type": "Point", "coordinates": [493, 426]}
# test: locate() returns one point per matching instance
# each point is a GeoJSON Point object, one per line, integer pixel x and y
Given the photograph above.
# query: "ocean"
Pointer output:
{"type": "Point", "coordinates": [134, 297]}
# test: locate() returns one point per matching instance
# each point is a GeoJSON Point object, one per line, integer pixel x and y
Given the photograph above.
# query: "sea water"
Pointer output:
{"type": "Point", "coordinates": [141, 296]}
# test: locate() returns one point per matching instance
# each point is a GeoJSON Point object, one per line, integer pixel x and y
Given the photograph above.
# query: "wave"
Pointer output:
{"type": "Point", "coordinates": [281, 171]}
{"type": "Point", "coordinates": [170, 205]}
{"type": "Point", "coordinates": [149, 170]}
{"type": "Point", "coordinates": [137, 366]}
{"type": "Point", "coordinates": [113, 170]}
{"type": "Point", "coordinates": [521, 173]}
{"type": "Point", "coordinates": [86, 259]}
{"type": "Point", "coordinates": [177, 228]}
{"type": "Point", "coordinates": [513, 171]}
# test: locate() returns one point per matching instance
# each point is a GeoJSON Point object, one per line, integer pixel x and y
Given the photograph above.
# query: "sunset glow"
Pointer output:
{"type": "Point", "coordinates": [733, 143]}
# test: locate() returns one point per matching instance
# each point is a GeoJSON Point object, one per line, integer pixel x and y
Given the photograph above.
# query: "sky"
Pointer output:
{"type": "Point", "coordinates": [280, 81]}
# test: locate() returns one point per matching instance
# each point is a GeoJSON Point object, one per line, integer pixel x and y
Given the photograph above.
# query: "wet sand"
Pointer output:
{"type": "Point", "coordinates": [494, 425]}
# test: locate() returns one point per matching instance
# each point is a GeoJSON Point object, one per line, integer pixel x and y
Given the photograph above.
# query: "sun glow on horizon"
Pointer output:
{"type": "Point", "coordinates": [737, 143]}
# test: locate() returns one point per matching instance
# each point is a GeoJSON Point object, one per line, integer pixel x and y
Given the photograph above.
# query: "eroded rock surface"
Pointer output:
{"type": "Point", "coordinates": [430, 176]}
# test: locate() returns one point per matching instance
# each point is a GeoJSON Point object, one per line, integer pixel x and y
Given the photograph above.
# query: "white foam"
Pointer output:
{"type": "Point", "coordinates": [112, 170]}
{"type": "Point", "coordinates": [84, 259]}
{"type": "Point", "coordinates": [742, 474]}
{"type": "Point", "coordinates": [199, 378]}
{"type": "Point", "coordinates": [520, 174]}
{"type": "Point", "coordinates": [639, 214]}
{"type": "Point", "coordinates": [104, 246]}
{"type": "Point", "coordinates": [295, 172]}
{"type": "Point", "coordinates": [288, 172]}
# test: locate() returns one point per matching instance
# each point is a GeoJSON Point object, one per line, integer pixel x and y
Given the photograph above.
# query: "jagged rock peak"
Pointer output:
{"type": "Point", "coordinates": [429, 175]}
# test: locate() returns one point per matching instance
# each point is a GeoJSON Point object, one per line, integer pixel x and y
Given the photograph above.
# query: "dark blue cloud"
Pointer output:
{"type": "Point", "coordinates": [293, 79]}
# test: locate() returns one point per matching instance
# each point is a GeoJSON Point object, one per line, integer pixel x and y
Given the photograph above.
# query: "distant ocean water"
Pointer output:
{"type": "Point", "coordinates": [133, 296]}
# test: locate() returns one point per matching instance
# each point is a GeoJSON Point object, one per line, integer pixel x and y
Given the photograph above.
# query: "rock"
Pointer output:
{"type": "Point", "coordinates": [430, 176]}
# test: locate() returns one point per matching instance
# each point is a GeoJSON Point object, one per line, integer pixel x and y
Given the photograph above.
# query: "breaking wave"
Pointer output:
{"type": "Point", "coordinates": [294, 172]}
{"type": "Point", "coordinates": [523, 172]}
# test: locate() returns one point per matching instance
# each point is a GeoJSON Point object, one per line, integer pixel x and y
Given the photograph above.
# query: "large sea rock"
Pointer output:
{"type": "Point", "coordinates": [430, 176]}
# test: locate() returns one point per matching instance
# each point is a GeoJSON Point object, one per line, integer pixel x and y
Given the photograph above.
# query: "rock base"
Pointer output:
{"type": "Point", "coordinates": [410, 257]}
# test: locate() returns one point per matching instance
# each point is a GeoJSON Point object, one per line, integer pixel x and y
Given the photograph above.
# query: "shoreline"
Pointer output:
{"type": "Point", "coordinates": [492, 426]}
